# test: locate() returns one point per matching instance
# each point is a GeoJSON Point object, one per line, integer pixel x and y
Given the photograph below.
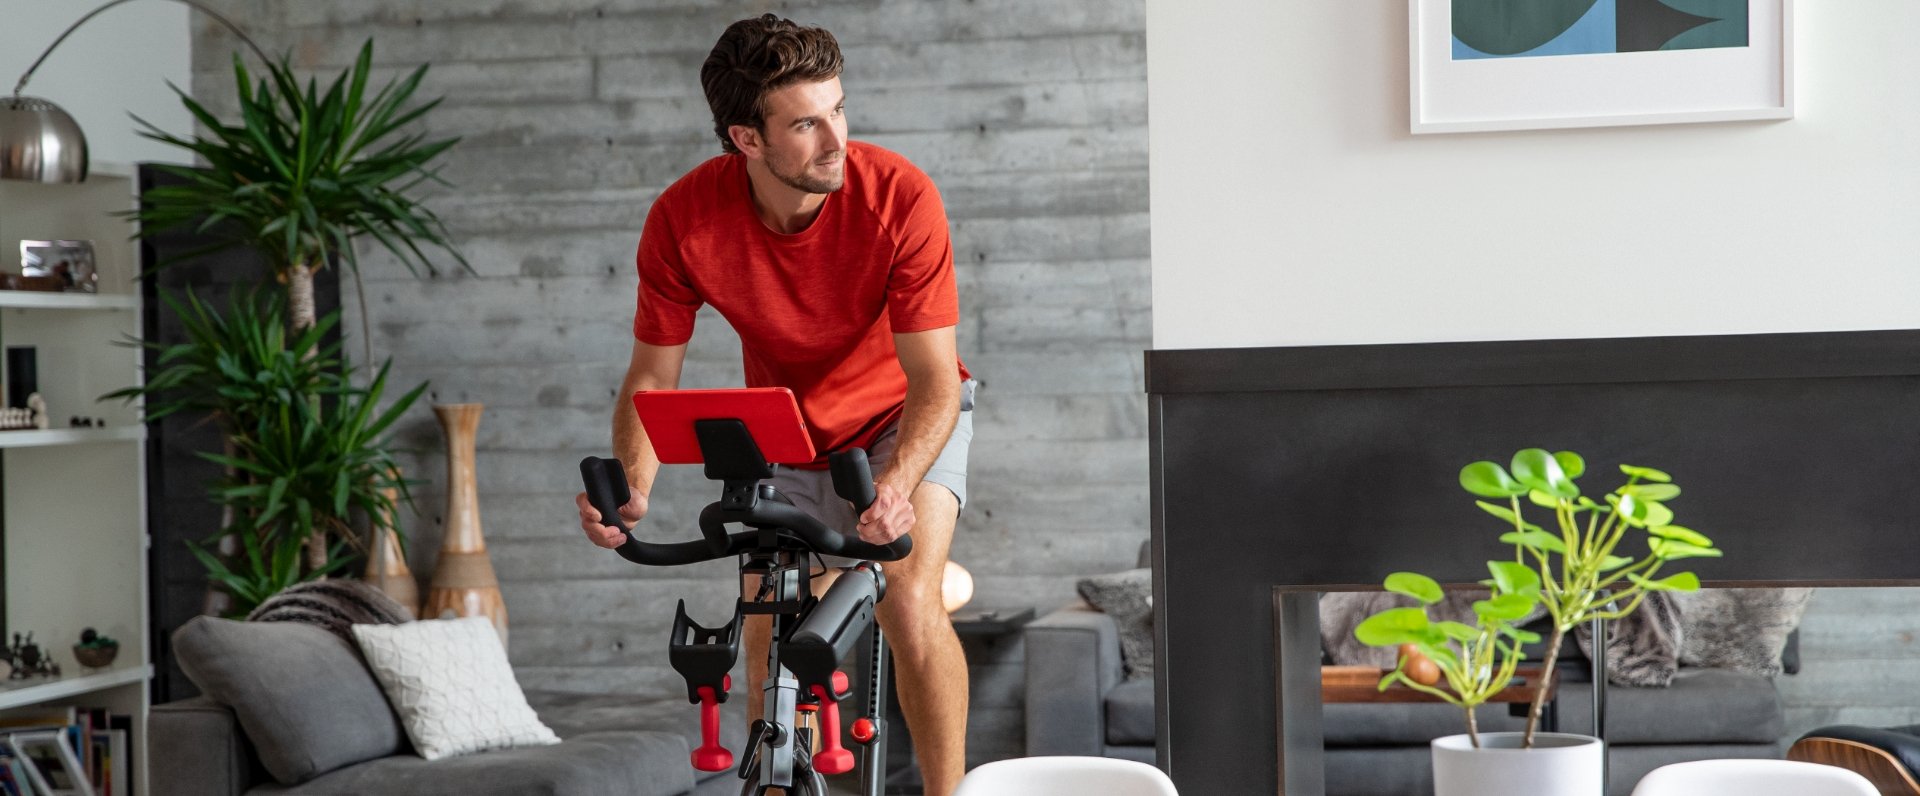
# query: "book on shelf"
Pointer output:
{"type": "Point", "coordinates": [10, 774]}
{"type": "Point", "coordinates": [65, 751]}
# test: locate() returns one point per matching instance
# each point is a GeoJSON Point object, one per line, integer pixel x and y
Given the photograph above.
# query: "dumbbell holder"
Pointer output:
{"type": "Point", "coordinates": [703, 655]}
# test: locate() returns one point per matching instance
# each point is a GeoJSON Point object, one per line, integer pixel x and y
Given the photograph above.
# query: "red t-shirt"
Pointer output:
{"type": "Point", "coordinates": [816, 311]}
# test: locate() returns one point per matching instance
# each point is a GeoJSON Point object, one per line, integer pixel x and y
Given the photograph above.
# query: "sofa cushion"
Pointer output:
{"type": "Point", "coordinates": [1130, 713]}
{"type": "Point", "coordinates": [296, 690]}
{"type": "Point", "coordinates": [451, 684]}
{"type": "Point", "coordinates": [571, 714]}
{"type": "Point", "coordinates": [1394, 724]}
{"type": "Point", "coordinates": [1702, 706]}
{"type": "Point", "coordinates": [595, 764]}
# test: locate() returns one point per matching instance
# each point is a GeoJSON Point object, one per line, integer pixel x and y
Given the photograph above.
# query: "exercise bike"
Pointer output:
{"type": "Point", "coordinates": [741, 436]}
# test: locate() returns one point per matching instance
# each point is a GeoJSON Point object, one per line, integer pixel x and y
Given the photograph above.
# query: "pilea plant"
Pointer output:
{"type": "Point", "coordinates": [1576, 572]}
{"type": "Point", "coordinates": [1475, 661]}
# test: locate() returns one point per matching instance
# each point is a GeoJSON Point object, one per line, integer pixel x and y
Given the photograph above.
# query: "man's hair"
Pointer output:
{"type": "Point", "coordinates": [756, 57]}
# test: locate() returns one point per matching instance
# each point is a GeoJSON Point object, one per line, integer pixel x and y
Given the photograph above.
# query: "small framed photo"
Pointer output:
{"type": "Point", "coordinates": [59, 265]}
{"type": "Point", "coordinates": [50, 763]}
{"type": "Point", "coordinates": [1482, 65]}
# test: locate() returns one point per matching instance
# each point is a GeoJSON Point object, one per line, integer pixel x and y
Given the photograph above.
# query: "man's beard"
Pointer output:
{"type": "Point", "coordinates": [800, 180]}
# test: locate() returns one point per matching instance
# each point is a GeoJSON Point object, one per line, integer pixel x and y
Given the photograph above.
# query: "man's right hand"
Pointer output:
{"type": "Point", "coordinates": [608, 536]}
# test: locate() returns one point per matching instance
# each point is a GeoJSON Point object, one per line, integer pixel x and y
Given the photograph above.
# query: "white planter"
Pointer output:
{"type": "Point", "coordinates": [1559, 764]}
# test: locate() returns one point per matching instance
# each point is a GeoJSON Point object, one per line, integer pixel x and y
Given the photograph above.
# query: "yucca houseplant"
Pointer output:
{"type": "Point", "coordinates": [1574, 573]}
{"type": "Point", "coordinates": [296, 467]}
{"type": "Point", "coordinates": [300, 177]}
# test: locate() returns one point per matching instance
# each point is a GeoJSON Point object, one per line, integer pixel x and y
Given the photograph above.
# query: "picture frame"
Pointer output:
{"type": "Point", "coordinates": [1621, 62]}
{"type": "Point", "coordinates": [50, 763]}
{"type": "Point", "coordinates": [59, 264]}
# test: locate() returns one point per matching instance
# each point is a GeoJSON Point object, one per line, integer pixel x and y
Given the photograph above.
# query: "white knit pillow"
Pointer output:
{"type": "Point", "coordinates": [450, 682]}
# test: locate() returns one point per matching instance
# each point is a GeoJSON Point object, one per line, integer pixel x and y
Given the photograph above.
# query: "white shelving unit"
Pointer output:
{"type": "Point", "coordinates": [73, 500]}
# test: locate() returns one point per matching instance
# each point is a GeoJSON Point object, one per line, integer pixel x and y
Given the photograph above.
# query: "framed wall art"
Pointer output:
{"type": "Point", "coordinates": [1537, 64]}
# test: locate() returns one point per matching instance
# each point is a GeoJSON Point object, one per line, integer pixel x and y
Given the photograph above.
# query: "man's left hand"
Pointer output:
{"type": "Point", "coordinates": [890, 516]}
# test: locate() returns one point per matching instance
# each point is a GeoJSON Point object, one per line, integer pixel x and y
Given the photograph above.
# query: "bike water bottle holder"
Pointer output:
{"type": "Point", "coordinates": [703, 655]}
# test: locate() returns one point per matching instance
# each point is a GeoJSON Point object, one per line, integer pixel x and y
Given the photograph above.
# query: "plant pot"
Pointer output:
{"type": "Point", "coordinates": [95, 657]}
{"type": "Point", "coordinates": [1559, 764]}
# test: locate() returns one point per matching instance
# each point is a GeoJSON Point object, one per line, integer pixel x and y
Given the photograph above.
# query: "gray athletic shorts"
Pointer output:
{"type": "Point", "coordinates": [812, 490]}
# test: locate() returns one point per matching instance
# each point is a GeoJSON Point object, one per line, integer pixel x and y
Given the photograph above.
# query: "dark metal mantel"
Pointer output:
{"type": "Point", "coordinates": [1294, 471]}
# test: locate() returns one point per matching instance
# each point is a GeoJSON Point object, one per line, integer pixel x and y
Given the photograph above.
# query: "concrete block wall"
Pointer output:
{"type": "Point", "coordinates": [1028, 114]}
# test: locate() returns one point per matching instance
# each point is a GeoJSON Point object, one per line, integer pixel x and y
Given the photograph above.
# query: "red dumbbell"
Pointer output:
{"type": "Point", "coordinates": [711, 756]}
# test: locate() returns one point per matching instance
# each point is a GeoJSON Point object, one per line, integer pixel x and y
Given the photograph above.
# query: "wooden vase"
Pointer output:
{"type": "Point", "coordinates": [463, 581]}
{"type": "Point", "coordinates": [387, 565]}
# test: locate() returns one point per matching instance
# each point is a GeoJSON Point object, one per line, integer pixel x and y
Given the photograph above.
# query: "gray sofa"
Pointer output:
{"type": "Point", "coordinates": [612, 745]}
{"type": "Point", "coordinates": [1078, 703]}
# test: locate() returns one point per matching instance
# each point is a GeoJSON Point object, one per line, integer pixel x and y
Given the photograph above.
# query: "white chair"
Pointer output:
{"type": "Point", "coordinates": [1066, 776]}
{"type": "Point", "coordinates": [1753, 778]}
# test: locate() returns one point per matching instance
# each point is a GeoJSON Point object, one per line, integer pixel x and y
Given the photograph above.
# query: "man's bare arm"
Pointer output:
{"type": "Point", "coordinates": [650, 368]}
{"type": "Point", "coordinates": [926, 422]}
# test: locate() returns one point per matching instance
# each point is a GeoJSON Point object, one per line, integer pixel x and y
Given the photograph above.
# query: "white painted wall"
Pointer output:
{"type": "Point", "coordinates": [1292, 207]}
{"type": "Point", "coordinates": [118, 63]}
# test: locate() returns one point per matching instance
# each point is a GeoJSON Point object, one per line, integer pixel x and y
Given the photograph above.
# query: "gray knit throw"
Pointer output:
{"type": "Point", "coordinates": [334, 605]}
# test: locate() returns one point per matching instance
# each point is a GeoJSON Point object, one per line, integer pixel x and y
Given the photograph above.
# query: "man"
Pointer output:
{"type": "Point", "coordinates": [831, 259]}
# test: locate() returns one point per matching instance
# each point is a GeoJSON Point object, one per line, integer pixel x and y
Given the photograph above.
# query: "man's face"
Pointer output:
{"type": "Point", "coordinates": [804, 143]}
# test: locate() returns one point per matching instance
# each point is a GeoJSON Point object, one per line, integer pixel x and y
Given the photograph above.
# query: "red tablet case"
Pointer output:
{"type": "Point", "coordinates": [771, 414]}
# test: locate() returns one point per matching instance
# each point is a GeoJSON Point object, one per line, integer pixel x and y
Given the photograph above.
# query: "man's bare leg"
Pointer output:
{"type": "Point", "coordinates": [929, 668]}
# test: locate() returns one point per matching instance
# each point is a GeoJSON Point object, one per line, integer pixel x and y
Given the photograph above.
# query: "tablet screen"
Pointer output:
{"type": "Point", "coordinates": [771, 414]}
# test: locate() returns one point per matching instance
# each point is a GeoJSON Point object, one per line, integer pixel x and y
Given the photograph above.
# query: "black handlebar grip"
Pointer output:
{"type": "Point", "coordinates": [852, 478]}
{"type": "Point", "coordinates": [607, 490]}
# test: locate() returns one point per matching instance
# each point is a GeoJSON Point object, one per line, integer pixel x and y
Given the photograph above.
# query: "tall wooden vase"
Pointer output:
{"type": "Point", "coordinates": [387, 564]}
{"type": "Point", "coordinates": [463, 582]}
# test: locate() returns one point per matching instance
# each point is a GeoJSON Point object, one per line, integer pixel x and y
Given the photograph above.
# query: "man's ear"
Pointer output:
{"type": "Point", "coordinates": [746, 139]}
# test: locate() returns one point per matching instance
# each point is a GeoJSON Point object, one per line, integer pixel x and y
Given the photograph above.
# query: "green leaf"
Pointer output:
{"type": "Point", "coordinates": [1510, 577]}
{"type": "Point", "coordinates": [1680, 534]}
{"type": "Point", "coordinates": [1654, 492]}
{"type": "Point", "coordinates": [1539, 470]}
{"type": "Point", "coordinates": [1684, 581]}
{"type": "Point", "coordinates": [1392, 627]}
{"type": "Point", "coordinates": [1535, 540]}
{"type": "Point", "coordinates": [1505, 608]}
{"type": "Point", "coordinates": [1522, 636]}
{"type": "Point", "coordinates": [1571, 463]}
{"type": "Point", "coordinates": [1632, 510]}
{"type": "Point", "coordinates": [1669, 549]}
{"type": "Point", "coordinates": [1457, 631]}
{"type": "Point", "coordinates": [1646, 473]}
{"type": "Point", "coordinates": [1542, 499]}
{"type": "Point", "coordinates": [1489, 480]}
{"type": "Point", "coordinates": [1611, 563]}
{"type": "Point", "coordinates": [1497, 510]}
{"type": "Point", "coordinates": [1657, 514]}
{"type": "Point", "coordinates": [1415, 585]}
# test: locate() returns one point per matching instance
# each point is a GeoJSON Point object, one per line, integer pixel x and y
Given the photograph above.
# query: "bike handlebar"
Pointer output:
{"type": "Point", "coordinates": [607, 491]}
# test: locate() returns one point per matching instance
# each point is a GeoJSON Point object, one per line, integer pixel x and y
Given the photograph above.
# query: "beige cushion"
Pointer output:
{"type": "Point", "coordinates": [450, 682]}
